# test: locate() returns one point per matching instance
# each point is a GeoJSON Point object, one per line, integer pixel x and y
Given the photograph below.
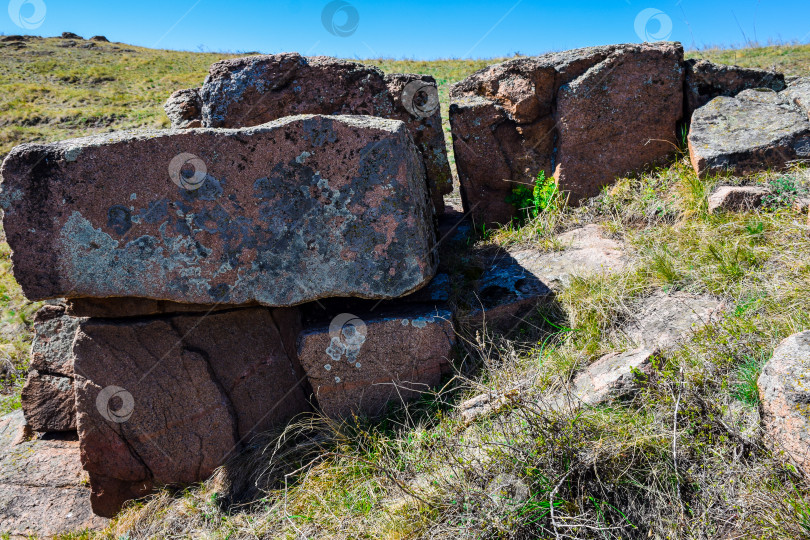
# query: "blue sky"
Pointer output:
{"type": "Point", "coordinates": [421, 29]}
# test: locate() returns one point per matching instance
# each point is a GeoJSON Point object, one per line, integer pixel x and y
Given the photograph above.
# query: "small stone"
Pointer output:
{"type": "Point", "coordinates": [184, 108]}
{"type": "Point", "coordinates": [613, 375]}
{"type": "Point", "coordinates": [737, 198]}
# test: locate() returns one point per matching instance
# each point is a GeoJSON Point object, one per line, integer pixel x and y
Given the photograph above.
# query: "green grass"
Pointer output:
{"type": "Point", "coordinates": [681, 458]}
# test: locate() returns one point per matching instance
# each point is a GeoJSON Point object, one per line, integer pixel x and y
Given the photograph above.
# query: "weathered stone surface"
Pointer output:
{"type": "Point", "coordinates": [784, 390]}
{"type": "Point", "coordinates": [167, 400]}
{"type": "Point", "coordinates": [48, 399]}
{"type": "Point", "coordinates": [587, 251]}
{"type": "Point", "coordinates": [506, 294]}
{"type": "Point", "coordinates": [100, 38]}
{"type": "Point", "coordinates": [737, 198]}
{"type": "Point", "coordinates": [613, 375]}
{"type": "Point", "coordinates": [798, 93]}
{"type": "Point", "coordinates": [556, 113]}
{"type": "Point", "coordinates": [359, 365]}
{"type": "Point", "coordinates": [42, 488]}
{"type": "Point", "coordinates": [298, 209]}
{"type": "Point", "coordinates": [111, 308]}
{"type": "Point", "coordinates": [253, 90]}
{"type": "Point", "coordinates": [752, 132]}
{"type": "Point", "coordinates": [706, 80]}
{"type": "Point", "coordinates": [184, 108]}
{"type": "Point", "coordinates": [663, 320]}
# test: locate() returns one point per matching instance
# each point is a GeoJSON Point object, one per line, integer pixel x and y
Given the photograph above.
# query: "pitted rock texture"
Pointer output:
{"type": "Point", "coordinates": [663, 320]}
{"type": "Point", "coordinates": [111, 308]}
{"type": "Point", "coordinates": [585, 116]}
{"type": "Point", "coordinates": [184, 108]}
{"type": "Point", "coordinates": [737, 198]}
{"type": "Point", "coordinates": [798, 93]}
{"type": "Point", "coordinates": [164, 401]}
{"type": "Point", "coordinates": [48, 399]}
{"type": "Point", "coordinates": [253, 90]}
{"type": "Point", "coordinates": [42, 486]}
{"type": "Point", "coordinates": [358, 365]}
{"type": "Point", "coordinates": [755, 131]}
{"type": "Point", "coordinates": [706, 80]}
{"type": "Point", "coordinates": [298, 209]}
{"type": "Point", "coordinates": [784, 390]}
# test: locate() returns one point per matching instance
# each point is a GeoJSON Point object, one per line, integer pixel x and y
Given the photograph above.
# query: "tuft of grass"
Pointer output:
{"type": "Point", "coordinates": [745, 389]}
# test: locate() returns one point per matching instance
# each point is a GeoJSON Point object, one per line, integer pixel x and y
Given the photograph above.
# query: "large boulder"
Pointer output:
{"type": "Point", "coordinates": [357, 365]}
{"type": "Point", "coordinates": [755, 131]}
{"type": "Point", "coordinates": [784, 394]}
{"type": "Point", "coordinates": [586, 116]}
{"type": "Point", "coordinates": [167, 400]}
{"type": "Point", "coordinates": [798, 93]}
{"type": "Point", "coordinates": [298, 209]}
{"type": "Point", "coordinates": [706, 80]}
{"type": "Point", "coordinates": [253, 90]}
{"type": "Point", "coordinates": [43, 490]}
{"type": "Point", "coordinates": [48, 399]}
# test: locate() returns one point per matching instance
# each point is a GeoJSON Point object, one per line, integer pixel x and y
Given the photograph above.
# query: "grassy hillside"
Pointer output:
{"type": "Point", "coordinates": [682, 458]}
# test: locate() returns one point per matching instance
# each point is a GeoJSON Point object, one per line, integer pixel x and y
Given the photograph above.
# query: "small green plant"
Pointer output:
{"type": "Point", "coordinates": [530, 201]}
{"type": "Point", "coordinates": [784, 192]}
{"type": "Point", "coordinates": [745, 390]}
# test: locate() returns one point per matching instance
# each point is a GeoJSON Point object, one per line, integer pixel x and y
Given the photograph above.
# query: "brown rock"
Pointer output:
{"type": "Point", "coordinates": [555, 113]}
{"type": "Point", "coordinates": [783, 391]}
{"type": "Point", "coordinates": [358, 365]}
{"type": "Point", "coordinates": [706, 80]}
{"type": "Point", "coordinates": [753, 132]}
{"type": "Point", "coordinates": [166, 401]}
{"type": "Point", "coordinates": [737, 198]}
{"type": "Point", "coordinates": [48, 399]}
{"type": "Point", "coordinates": [304, 208]}
{"type": "Point", "coordinates": [250, 91]}
{"type": "Point", "coordinates": [184, 108]}
{"type": "Point", "coordinates": [42, 485]}
{"type": "Point", "coordinates": [110, 308]}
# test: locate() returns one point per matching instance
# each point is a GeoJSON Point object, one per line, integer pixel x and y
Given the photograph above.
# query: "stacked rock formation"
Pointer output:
{"type": "Point", "coordinates": [181, 337]}
{"type": "Point", "coordinates": [585, 117]}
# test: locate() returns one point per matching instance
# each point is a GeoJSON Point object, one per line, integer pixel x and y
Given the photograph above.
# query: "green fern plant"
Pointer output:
{"type": "Point", "coordinates": [531, 201]}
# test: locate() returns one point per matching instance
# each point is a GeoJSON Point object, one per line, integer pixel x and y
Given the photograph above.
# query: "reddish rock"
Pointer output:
{"type": "Point", "coordinates": [737, 198]}
{"type": "Point", "coordinates": [706, 80]}
{"type": "Point", "coordinates": [43, 489]}
{"type": "Point", "coordinates": [298, 209]}
{"type": "Point", "coordinates": [257, 89]}
{"type": "Point", "coordinates": [753, 132]}
{"type": "Point", "coordinates": [110, 308]}
{"type": "Point", "coordinates": [48, 399]}
{"type": "Point", "coordinates": [165, 401]}
{"type": "Point", "coordinates": [359, 365]}
{"type": "Point", "coordinates": [586, 115]}
{"type": "Point", "coordinates": [184, 108]}
{"type": "Point", "coordinates": [783, 391]}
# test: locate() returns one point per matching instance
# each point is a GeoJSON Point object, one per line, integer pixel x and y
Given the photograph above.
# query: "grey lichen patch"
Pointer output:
{"type": "Point", "coordinates": [72, 153]}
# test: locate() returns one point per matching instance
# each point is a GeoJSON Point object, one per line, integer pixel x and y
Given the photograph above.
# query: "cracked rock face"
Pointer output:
{"type": "Point", "coordinates": [757, 130]}
{"type": "Point", "coordinates": [184, 108]}
{"type": "Point", "coordinates": [48, 399]}
{"type": "Point", "coordinates": [253, 90]}
{"type": "Point", "coordinates": [357, 365]}
{"type": "Point", "coordinates": [42, 489]}
{"type": "Point", "coordinates": [784, 390]}
{"type": "Point", "coordinates": [163, 401]}
{"type": "Point", "coordinates": [706, 80]}
{"type": "Point", "coordinates": [302, 208]}
{"type": "Point", "coordinates": [798, 93]}
{"type": "Point", "coordinates": [584, 116]}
